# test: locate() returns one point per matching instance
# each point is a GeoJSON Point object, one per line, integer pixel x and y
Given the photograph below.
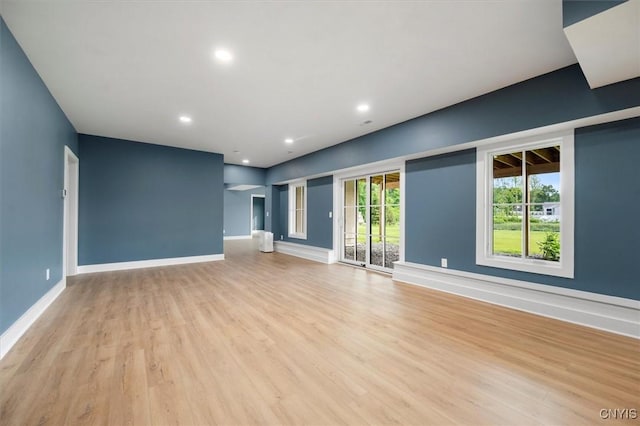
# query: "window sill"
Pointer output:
{"type": "Point", "coordinates": [542, 267]}
{"type": "Point", "coordinates": [298, 236]}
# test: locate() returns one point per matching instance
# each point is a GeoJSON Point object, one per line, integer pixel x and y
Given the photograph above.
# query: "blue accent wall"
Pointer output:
{"type": "Point", "coordinates": [237, 211]}
{"type": "Point", "coordinates": [140, 201]}
{"type": "Point", "coordinates": [577, 10]}
{"type": "Point", "coordinates": [440, 210]}
{"type": "Point", "coordinates": [34, 132]}
{"type": "Point", "coordinates": [556, 97]}
{"type": "Point", "coordinates": [319, 204]}
{"type": "Point", "coordinates": [235, 174]}
{"type": "Point", "coordinates": [272, 210]}
{"type": "Point", "coordinates": [283, 207]}
{"type": "Point", "coordinates": [441, 207]}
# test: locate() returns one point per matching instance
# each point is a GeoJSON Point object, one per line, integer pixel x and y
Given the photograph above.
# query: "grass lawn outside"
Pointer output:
{"type": "Point", "coordinates": [509, 242]}
{"type": "Point", "coordinates": [506, 242]}
{"type": "Point", "coordinates": [393, 233]}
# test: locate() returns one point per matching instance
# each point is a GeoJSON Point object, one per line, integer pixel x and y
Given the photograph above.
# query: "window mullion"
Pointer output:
{"type": "Point", "coordinates": [523, 208]}
{"type": "Point", "coordinates": [490, 211]}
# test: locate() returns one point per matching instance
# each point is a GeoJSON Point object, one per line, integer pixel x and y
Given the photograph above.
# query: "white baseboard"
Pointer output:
{"type": "Point", "coordinates": [120, 266]}
{"type": "Point", "coordinates": [614, 314]}
{"type": "Point", "coordinates": [238, 237]}
{"type": "Point", "coordinates": [318, 254]}
{"type": "Point", "coordinates": [18, 328]}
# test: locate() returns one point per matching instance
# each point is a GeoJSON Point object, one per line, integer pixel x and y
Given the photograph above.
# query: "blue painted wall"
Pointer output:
{"type": "Point", "coordinates": [319, 204]}
{"type": "Point", "coordinates": [272, 210]}
{"type": "Point", "coordinates": [140, 201]}
{"type": "Point", "coordinates": [34, 131]}
{"type": "Point", "coordinates": [556, 97]}
{"type": "Point", "coordinates": [244, 175]}
{"type": "Point", "coordinates": [237, 211]}
{"type": "Point", "coordinates": [577, 10]}
{"type": "Point", "coordinates": [441, 206]}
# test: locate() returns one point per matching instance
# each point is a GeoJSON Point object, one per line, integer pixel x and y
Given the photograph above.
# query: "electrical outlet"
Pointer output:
{"type": "Point", "coordinates": [443, 262]}
{"type": "Point", "coordinates": [330, 215]}
{"type": "Point", "coordinates": [48, 274]}
{"type": "Point", "coordinates": [267, 214]}
{"type": "Point", "coordinates": [281, 237]}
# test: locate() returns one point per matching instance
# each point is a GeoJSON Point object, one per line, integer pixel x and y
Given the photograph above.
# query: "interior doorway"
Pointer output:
{"type": "Point", "coordinates": [371, 220]}
{"type": "Point", "coordinates": [257, 212]}
{"type": "Point", "coordinates": [70, 216]}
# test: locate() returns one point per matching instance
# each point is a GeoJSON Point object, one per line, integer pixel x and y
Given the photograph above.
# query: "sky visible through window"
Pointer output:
{"type": "Point", "coordinates": [552, 179]}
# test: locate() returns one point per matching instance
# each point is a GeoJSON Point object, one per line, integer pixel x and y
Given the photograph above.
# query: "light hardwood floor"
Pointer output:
{"type": "Point", "coordinates": [271, 339]}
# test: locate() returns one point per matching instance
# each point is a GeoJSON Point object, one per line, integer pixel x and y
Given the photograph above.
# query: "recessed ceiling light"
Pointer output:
{"type": "Point", "coordinates": [223, 55]}
{"type": "Point", "coordinates": [245, 161]}
{"type": "Point", "coordinates": [363, 108]}
{"type": "Point", "coordinates": [185, 119]}
{"type": "Point", "coordinates": [288, 140]}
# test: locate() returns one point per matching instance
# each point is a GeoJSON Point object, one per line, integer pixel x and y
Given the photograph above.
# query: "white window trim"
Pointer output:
{"type": "Point", "coordinates": [292, 209]}
{"type": "Point", "coordinates": [484, 208]}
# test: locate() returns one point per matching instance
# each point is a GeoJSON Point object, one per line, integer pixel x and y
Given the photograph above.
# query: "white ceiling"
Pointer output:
{"type": "Point", "coordinates": [129, 69]}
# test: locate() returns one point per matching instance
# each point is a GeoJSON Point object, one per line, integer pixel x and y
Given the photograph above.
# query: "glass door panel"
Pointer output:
{"type": "Point", "coordinates": [361, 214]}
{"type": "Point", "coordinates": [391, 251]}
{"type": "Point", "coordinates": [354, 225]}
{"type": "Point", "coordinates": [362, 220]}
{"type": "Point", "coordinates": [376, 251]}
{"type": "Point", "coordinates": [371, 220]}
{"type": "Point", "coordinates": [349, 247]}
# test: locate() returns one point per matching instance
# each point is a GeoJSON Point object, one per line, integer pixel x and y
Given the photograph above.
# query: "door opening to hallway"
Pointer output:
{"type": "Point", "coordinates": [257, 212]}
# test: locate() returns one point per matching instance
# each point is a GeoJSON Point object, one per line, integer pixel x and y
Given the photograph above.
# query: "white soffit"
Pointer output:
{"type": "Point", "coordinates": [607, 45]}
{"type": "Point", "coordinates": [242, 187]}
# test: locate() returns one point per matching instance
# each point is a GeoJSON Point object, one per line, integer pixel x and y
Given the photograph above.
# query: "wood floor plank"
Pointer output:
{"type": "Point", "coordinates": [271, 339]}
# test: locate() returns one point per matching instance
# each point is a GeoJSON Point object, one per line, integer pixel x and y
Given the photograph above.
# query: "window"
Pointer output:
{"type": "Point", "coordinates": [298, 210]}
{"type": "Point", "coordinates": [525, 206]}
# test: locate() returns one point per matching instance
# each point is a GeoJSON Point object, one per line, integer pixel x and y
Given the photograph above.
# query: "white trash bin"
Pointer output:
{"type": "Point", "coordinates": [266, 242]}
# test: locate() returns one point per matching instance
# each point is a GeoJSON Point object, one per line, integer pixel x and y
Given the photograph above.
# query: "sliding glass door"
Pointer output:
{"type": "Point", "coordinates": [371, 220]}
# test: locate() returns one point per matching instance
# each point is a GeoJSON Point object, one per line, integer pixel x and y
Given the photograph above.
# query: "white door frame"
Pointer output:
{"type": "Point", "coordinates": [70, 216]}
{"type": "Point", "coordinates": [251, 218]}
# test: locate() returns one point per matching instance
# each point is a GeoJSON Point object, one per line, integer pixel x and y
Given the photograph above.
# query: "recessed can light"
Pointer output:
{"type": "Point", "coordinates": [185, 119]}
{"type": "Point", "coordinates": [223, 55]}
{"type": "Point", "coordinates": [363, 108]}
{"type": "Point", "coordinates": [288, 140]}
{"type": "Point", "coordinates": [245, 161]}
